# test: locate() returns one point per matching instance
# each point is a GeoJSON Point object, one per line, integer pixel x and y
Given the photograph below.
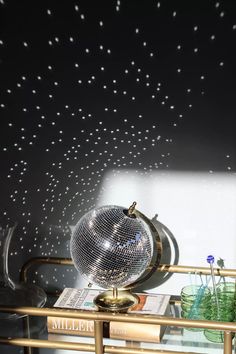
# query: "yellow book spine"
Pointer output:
{"type": "Point", "coordinates": [117, 330]}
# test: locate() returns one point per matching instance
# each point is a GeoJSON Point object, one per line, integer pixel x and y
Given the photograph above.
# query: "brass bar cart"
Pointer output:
{"type": "Point", "coordinates": [99, 317]}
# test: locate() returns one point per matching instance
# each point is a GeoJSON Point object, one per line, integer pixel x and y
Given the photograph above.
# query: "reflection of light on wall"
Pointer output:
{"type": "Point", "coordinates": [198, 208]}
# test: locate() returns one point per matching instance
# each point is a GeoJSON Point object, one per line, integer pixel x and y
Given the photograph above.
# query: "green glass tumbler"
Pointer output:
{"type": "Point", "coordinates": [195, 303]}
{"type": "Point", "coordinates": [225, 311]}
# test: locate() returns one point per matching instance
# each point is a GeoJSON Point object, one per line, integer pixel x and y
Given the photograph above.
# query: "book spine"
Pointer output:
{"type": "Point", "coordinates": [117, 330]}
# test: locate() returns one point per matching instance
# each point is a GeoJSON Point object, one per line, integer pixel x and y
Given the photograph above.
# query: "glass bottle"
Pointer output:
{"type": "Point", "coordinates": [12, 293]}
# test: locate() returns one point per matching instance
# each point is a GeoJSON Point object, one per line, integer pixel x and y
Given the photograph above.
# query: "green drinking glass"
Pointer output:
{"type": "Point", "coordinates": [225, 311]}
{"type": "Point", "coordinates": [195, 303]}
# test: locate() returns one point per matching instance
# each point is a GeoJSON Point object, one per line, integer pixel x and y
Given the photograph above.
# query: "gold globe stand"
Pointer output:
{"type": "Point", "coordinates": [116, 300]}
{"type": "Point", "coordinates": [120, 300]}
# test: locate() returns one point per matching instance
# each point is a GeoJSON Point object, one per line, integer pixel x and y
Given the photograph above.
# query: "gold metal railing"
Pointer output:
{"type": "Point", "coordinates": [100, 317]}
{"type": "Point", "coordinates": [162, 267]}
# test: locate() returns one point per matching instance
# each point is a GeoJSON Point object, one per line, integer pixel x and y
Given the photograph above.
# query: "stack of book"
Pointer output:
{"type": "Point", "coordinates": [82, 299]}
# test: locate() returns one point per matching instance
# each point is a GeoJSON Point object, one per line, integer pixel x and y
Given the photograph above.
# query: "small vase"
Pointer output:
{"type": "Point", "coordinates": [11, 293]}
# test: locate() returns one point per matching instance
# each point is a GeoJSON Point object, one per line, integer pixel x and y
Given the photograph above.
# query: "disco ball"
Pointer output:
{"type": "Point", "coordinates": [113, 246]}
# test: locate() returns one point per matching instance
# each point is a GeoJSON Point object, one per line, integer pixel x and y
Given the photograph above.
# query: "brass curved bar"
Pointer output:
{"type": "Point", "coordinates": [196, 270]}
{"type": "Point", "coordinates": [42, 260]}
{"type": "Point", "coordinates": [37, 343]}
{"type": "Point", "coordinates": [120, 317]}
{"type": "Point", "coordinates": [161, 268]}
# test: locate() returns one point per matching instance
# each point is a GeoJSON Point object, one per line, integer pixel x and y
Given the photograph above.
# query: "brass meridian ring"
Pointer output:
{"type": "Point", "coordinates": [157, 250]}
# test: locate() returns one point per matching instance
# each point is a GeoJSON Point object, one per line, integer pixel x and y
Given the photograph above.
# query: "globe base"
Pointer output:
{"type": "Point", "coordinates": [115, 300]}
